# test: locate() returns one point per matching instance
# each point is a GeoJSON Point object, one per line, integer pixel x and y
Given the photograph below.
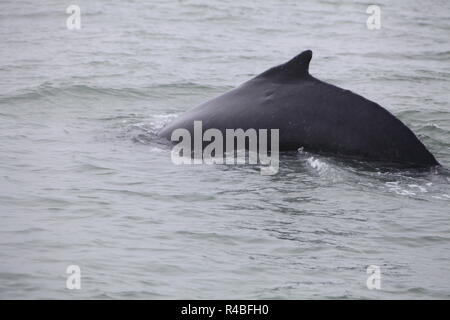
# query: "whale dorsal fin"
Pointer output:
{"type": "Point", "coordinates": [296, 68]}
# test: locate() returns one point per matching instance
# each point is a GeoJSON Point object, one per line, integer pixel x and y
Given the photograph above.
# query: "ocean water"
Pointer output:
{"type": "Point", "coordinates": [84, 180]}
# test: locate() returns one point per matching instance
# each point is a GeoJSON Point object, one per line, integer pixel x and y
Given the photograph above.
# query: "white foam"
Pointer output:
{"type": "Point", "coordinates": [421, 189]}
{"type": "Point", "coordinates": [395, 187]}
{"type": "Point", "coordinates": [317, 164]}
{"type": "Point", "coordinates": [160, 120]}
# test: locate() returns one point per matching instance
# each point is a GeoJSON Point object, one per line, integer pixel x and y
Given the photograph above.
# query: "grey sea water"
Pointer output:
{"type": "Point", "coordinates": [84, 181]}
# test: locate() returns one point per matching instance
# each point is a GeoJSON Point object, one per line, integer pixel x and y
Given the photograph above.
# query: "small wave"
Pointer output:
{"type": "Point", "coordinates": [49, 89]}
{"type": "Point", "coordinates": [159, 121]}
{"type": "Point", "coordinates": [315, 163]}
{"type": "Point", "coordinates": [435, 127]}
{"type": "Point", "coordinates": [418, 184]}
{"type": "Point", "coordinates": [145, 130]}
{"type": "Point", "coordinates": [398, 189]}
{"type": "Point", "coordinates": [426, 186]}
{"type": "Point", "coordinates": [325, 169]}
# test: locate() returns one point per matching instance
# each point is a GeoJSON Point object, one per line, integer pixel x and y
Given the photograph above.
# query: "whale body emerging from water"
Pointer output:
{"type": "Point", "coordinates": [310, 114]}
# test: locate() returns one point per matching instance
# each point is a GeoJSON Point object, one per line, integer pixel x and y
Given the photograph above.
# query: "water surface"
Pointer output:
{"type": "Point", "coordinates": [84, 181]}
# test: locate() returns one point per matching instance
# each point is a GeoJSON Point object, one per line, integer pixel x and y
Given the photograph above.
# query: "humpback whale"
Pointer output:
{"type": "Point", "coordinates": [310, 114]}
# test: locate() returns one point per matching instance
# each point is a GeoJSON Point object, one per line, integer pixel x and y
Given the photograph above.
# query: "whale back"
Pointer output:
{"type": "Point", "coordinates": [309, 114]}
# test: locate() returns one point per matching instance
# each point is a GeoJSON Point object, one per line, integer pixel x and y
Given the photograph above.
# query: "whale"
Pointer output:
{"type": "Point", "coordinates": [310, 114]}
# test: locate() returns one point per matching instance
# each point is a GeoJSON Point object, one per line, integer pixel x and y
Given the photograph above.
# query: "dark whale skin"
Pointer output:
{"type": "Point", "coordinates": [311, 114]}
